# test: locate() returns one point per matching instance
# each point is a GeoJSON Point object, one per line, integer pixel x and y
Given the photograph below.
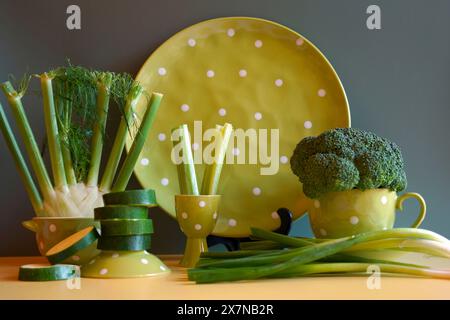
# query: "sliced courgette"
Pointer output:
{"type": "Point", "coordinates": [126, 243]}
{"type": "Point", "coordinates": [141, 197]}
{"type": "Point", "coordinates": [71, 245]}
{"type": "Point", "coordinates": [120, 212]}
{"type": "Point", "coordinates": [41, 272]}
{"type": "Point", "coordinates": [126, 227]}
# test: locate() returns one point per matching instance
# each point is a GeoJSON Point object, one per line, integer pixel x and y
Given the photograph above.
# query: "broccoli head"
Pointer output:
{"type": "Point", "coordinates": [347, 158]}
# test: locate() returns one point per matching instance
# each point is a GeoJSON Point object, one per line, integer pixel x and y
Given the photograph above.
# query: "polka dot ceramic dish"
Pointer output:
{"type": "Point", "coordinates": [254, 74]}
{"type": "Point", "coordinates": [124, 264]}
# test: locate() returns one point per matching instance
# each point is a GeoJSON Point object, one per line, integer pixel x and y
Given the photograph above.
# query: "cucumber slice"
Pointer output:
{"type": "Point", "coordinates": [41, 272]}
{"type": "Point", "coordinates": [71, 245]}
{"type": "Point", "coordinates": [141, 197]}
{"type": "Point", "coordinates": [120, 212]}
{"type": "Point", "coordinates": [124, 227]}
{"type": "Point", "coordinates": [125, 243]}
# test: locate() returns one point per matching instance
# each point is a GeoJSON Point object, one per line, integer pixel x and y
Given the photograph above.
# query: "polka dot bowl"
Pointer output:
{"type": "Point", "coordinates": [52, 230]}
{"type": "Point", "coordinates": [345, 213]}
{"type": "Point", "coordinates": [124, 264]}
{"type": "Point", "coordinates": [197, 216]}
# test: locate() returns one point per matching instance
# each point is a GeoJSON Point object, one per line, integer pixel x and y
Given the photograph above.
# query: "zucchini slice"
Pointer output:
{"type": "Point", "coordinates": [41, 272]}
{"type": "Point", "coordinates": [120, 212]}
{"type": "Point", "coordinates": [126, 227]}
{"type": "Point", "coordinates": [125, 243]}
{"type": "Point", "coordinates": [141, 197]}
{"type": "Point", "coordinates": [72, 244]}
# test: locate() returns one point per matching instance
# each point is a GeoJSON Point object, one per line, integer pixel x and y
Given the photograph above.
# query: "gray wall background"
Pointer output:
{"type": "Point", "coordinates": [397, 79]}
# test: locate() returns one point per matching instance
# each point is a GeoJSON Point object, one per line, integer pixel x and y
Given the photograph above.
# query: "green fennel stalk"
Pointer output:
{"type": "Point", "coordinates": [31, 147]}
{"type": "Point", "coordinates": [103, 86]}
{"type": "Point", "coordinates": [138, 143]}
{"type": "Point", "coordinates": [53, 138]}
{"type": "Point", "coordinates": [30, 186]}
{"type": "Point", "coordinates": [133, 97]}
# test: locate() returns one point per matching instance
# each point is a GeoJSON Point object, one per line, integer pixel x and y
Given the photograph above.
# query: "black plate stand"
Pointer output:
{"type": "Point", "coordinates": [233, 244]}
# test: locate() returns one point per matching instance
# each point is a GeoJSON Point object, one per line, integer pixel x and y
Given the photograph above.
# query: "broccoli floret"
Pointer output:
{"type": "Point", "coordinates": [347, 158]}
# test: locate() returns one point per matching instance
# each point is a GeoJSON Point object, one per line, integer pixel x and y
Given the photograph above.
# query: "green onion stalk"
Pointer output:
{"type": "Point", "coordinates": [75, 107]}
{"type": "Point", "coordinates": [301, 257]}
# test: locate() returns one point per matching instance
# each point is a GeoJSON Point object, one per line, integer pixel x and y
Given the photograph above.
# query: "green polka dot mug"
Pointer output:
{"type": "Point", "coordinates": [345, 213]}
{"type": "Point", "coordinates": [197, 216]}
{"type": "Point", "coordinates": [52, 230]}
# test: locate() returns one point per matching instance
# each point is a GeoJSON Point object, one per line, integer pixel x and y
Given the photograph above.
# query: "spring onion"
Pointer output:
{"type": "Point", "coordinates": [304, 256]}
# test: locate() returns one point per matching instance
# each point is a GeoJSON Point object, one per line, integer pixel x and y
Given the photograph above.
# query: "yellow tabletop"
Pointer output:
{"type": "Point", "coordinates": [176, 286]}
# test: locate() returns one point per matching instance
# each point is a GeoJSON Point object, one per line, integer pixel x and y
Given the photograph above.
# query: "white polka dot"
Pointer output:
{"type": "Point", "coordinates": [242, 73]}
{"type": "Point", "coordinates": [92, 261]}
{"type": "Point", "coordinates": [198, 227]}
{"type": "Point", "coordinates": [162, 268]}
{"type": "Point", "coordinates": [236, 151]}
{"type": "Point", "coordinates": [161, 137]}
{"type": "Point", "coordinates": [258, 116]}
{"type": "Point", "coordinates": [323, 232]}
{"type": "Point", "coordinates": [162, 71]}
{"type": "Point", "coordinates": [201, 204]}
{"type": "Point", "coordinates": [278, 82]}
{"type": "Point", "coordinates": [144, 261]}
{"type": "Point", "coordinates": [76, 258]}
{"type": "Point", "coordinates": [232, 222]}
{"type": "Point", "coordinates": [222, 112]}
{"type": "Point", "coordinates": [316, 204]}
{"type": "Point", "coordinates": [145, 161]}
{"type": "Point", "coordinates": [275, 215]}
{"type": "Point", "coordinates": [284, 159]}
{"type": "Point", "coordinates": [299, 41]}
{"type": "Point", "coordinates": [215, 215]}
{"type": "Point", "coordinates": [231, 32]}
{"type": "Point", "coordinates": [115, 255]}
{"type": "Point", "coordinates": [52, 227]}
{"type": "Point", "coordinates": [258, 43]}
{"type": "Point", "coordinates": [384, 200]}
{"type": "Point", "coordinates": [210, 73]}
{"type": "Point", "coordinates": [256, 191]}
{"type": "Point", "coordinates": [354, 220]}
{"type": "Point", "coordinates": [184, 215]}
{"type": "Point", "coordinates": [184, 107]}
{"type": "Point", "coordinates": [307, 124]}
{"type": "Point", "coordinates": [191, 42]}
{"type": "Point", "coordinates": [103, 271]}
{"type": "Point", "coordinates": [164, 181]}
{"type": "Point", "coordinates": [41, 245]}
{"type": "Point", "coordinates": [195, 146]}
{"type": "Point", "coordinates": [321, 93]}
{"type": "Point", "coordinates": [135, 116]}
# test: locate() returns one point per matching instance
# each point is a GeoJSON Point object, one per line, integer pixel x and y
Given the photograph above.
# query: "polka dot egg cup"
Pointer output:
{"type": "Point", "coordinates": [52, 230]}
{"type": "Point", "coordinates": [124, 264]}
{"type": "Point", "coordinates": [197, 216]}
{"type": "Point", "coordinates": [254, 74]}
{"type": "Point", "coordinates": [345, 213]}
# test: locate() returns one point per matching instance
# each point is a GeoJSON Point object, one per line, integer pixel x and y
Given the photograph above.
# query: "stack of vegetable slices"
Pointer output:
{"type": "Point", "coordinates": [124, 221]}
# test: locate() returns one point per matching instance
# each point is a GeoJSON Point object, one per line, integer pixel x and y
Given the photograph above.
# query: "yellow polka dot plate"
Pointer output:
{"type": "Point", "coordinates": [254, 74]}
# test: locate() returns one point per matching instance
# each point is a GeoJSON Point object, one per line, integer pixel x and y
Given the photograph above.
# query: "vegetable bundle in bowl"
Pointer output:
{"type": "Point", "coordinates": [75, 106]}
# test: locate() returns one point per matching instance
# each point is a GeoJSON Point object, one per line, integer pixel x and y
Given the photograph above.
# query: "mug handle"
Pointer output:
{"type": "Point", "coordinates": [30, 225]}
{"type": "Point", "coordinates": [422, 203]}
